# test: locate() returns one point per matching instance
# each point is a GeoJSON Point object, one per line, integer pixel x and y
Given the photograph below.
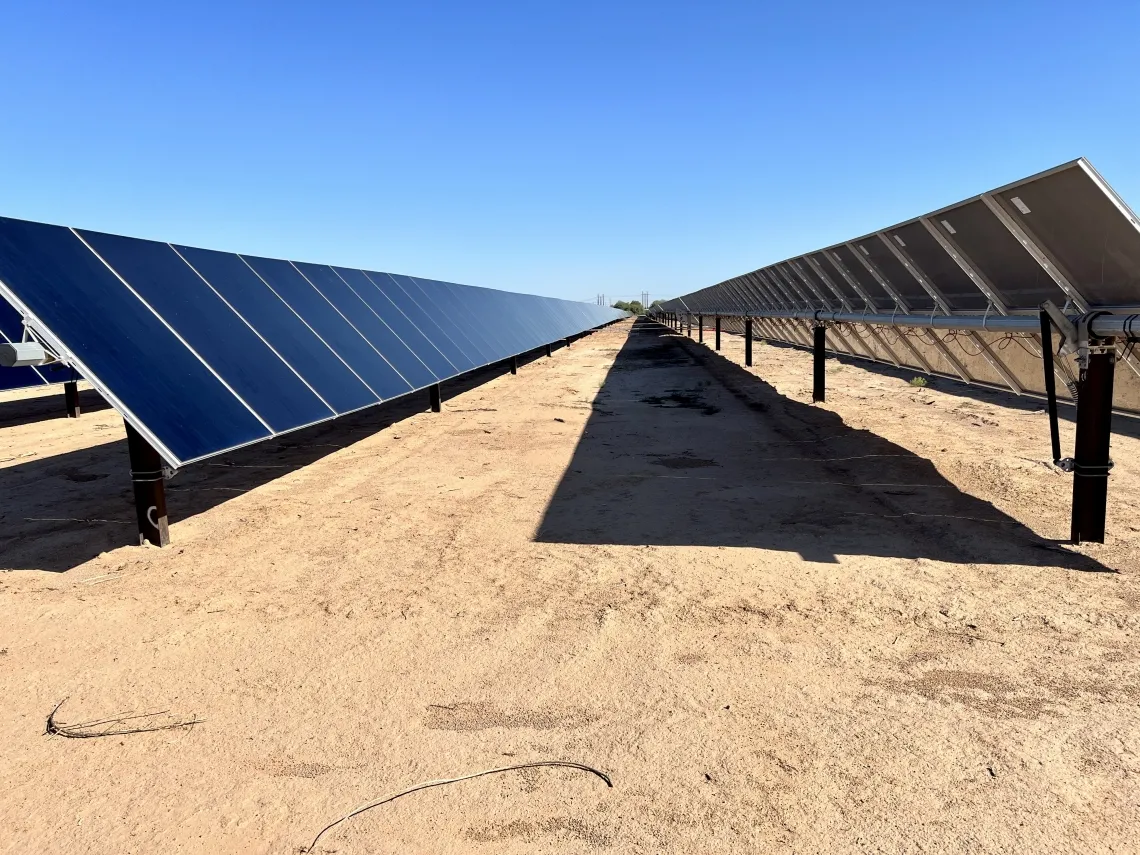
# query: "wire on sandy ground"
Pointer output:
{"type": "Point", "coordinates": [428, 784]}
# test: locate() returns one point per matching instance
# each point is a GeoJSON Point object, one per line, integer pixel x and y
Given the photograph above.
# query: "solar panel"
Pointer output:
{"type": "Point", "coordinates": [369, 325]}
{"type": "Point", "coordinates": [400, 324]}
{"type": "Point", "coordinates": [197, 315]}
{"type": "Point", "coordinates": [294, 342]}
{"type": "Point", "coordinates": [331, 326]}
{"type": "Point", "coordinates": [205, 351]}
{"type": "Point", "coordinates": [114, 336]}
{"type": "Point", "coordinates": [414, 303]}
{"type": "Point", "coordinates": [457, 322]}
{"type": "Point", "coordinates": [1063, 235]}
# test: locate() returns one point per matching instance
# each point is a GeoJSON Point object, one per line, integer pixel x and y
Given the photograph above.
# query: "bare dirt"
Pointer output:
{"type": "Point", "coordinates": [779, 627]}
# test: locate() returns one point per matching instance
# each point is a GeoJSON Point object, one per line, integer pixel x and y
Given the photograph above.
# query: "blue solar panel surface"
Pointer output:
{"type": "Point", "coordinates": [369, 325]}
{"type": "Point", "coordinates": [200, 317]}
{"type": "Point", "coordinates": [206, 351]}
{"type": "Point", "coordinates": [401, 326]}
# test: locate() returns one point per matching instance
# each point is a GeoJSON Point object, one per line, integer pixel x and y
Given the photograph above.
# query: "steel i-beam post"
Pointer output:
{"type": "Point", "coordinates": [748, 341]}
{"type": "Point", "coordinates": [514, 364]}
{"type": "Point", "coordinates": [71, 398]}
{"type": "Point", "coordinates": [435, 398]}
{"type": "Point", "coordinates": [819, 360]}
{"type": "Point", "coordinates": [700, 328]}
{"type": "Point", "coordinates": [1091, 462]}
{"type": "Point", "coordinates": [718, 332]}
{"type": "Point", "coordinates": [149, 489]}
{"type": "Point", "coordinates": [1050, 385]}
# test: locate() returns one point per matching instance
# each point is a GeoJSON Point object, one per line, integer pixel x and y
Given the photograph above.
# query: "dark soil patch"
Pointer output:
{"type": "Point", "coordinates": [684, 462]}
{"type": "Point", "coordinates": [676, 398]}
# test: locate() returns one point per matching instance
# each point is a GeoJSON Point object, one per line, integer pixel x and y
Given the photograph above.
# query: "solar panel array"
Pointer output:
{"type": "Point", "coordinates": [1062, 235]}
{"type": "Point", "coordinates": [205, 351]}
{"type": "Point", "coordinates": [980, 268]}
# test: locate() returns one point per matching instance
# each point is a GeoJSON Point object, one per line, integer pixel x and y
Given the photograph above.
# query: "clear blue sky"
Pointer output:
{"type": "Point", "coordinates": [564, 148]}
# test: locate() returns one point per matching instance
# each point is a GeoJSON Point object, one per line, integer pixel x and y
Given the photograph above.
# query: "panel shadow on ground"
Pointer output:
{"type": "Point", "coordinates": [47, 406]}
{"type": "Point", "coordinates": [61, 510]}
{"type": "Point", "coordinates": [685, 448]}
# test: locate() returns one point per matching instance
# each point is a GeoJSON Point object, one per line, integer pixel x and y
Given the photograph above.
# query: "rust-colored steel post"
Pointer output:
{"type": "Point", "coordinates": [1091, 462]}
{"type": "Point", "coordinates": [71, 398]}
{"type": "Point", "coordinates": [819, 354]}
{"type": "Point", "coordinates": [149, 489]}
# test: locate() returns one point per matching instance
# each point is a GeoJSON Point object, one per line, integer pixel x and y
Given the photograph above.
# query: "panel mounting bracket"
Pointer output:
{"type": "Point", "coordinates": [1067, 329]}
{"type": "Point", "coordinates": [1086, 344]}
{"type": "Point", "coordinates": [30, 335]}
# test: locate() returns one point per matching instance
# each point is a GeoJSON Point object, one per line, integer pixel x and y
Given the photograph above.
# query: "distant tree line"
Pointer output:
{"type": "Point", "coordinates": [634, 306]}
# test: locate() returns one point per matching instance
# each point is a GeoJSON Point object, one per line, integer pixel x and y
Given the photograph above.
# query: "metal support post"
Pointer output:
{"type": "Point", "coordinates": [567, 342]}
{"type": "Point", "coordinates": [748, 341]}
{"type": "Point", "coordinates": [514, 365]}
{"type": "Point", "coordinates": [549, 352]}
{"type": "Point", "coordinates": [71, 398]}
{"type": "Point", "coordinates": [1050, 385]}
{"type": "Point", "coordinates": [435, 398]}
{"type": "Point", "coordinates": [150, 492]}
{"type": "Point", "coordinates": [689, 318]}
{"type": "Point", "coordinates": [1091, 462]}
{"type": "Point", "coordinates": [700, 328]}
{"type": "Point", "coordinates": [718, 332]}
{"type": "Point", "coordinates": [819, 352]}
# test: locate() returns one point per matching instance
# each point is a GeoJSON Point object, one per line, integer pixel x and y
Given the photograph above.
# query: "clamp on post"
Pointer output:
{"type": "Point", "coordinates": [145, 476]}
{"type": "Point", "coordinates": [1086, 471]}
{"type": "Point", "coordinates": [1086, 343]}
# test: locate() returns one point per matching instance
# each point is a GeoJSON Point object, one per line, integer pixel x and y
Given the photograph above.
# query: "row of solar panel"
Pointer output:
{"type": "Point", "coordinates": [209, 350]}
{"type": "Point", "coordinates": [1007, 250]}
{"type": "Point", "coordinates": [12, 330]}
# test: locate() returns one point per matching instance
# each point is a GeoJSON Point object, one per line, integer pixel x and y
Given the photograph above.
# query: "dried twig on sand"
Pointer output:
{"type": "Point", "coordinates": [428, 784]}
{"type": "Point", "coordinates": [106, 726]}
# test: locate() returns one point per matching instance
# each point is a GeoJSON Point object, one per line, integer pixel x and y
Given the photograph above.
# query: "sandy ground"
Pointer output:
{"type": "Point", "coordinates": [779, 627]}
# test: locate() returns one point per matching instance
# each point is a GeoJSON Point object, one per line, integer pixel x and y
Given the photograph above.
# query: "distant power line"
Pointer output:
{"type": "Point", "coordinates": [610, 299]}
